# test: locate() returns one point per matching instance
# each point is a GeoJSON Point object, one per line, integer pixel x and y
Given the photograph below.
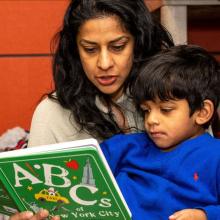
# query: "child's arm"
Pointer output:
{"type": "Point", "coordinates": [186, 214]}
{"type": "Point", "coordinates": [117, 148]}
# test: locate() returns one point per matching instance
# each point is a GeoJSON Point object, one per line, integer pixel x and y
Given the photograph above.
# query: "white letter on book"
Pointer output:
{"type": "Point", "coordinates": [60, 176]}
{"type": "Point", "coordinates": [75, 198]}
{"type": "Point", "coordinates": [26, 175]}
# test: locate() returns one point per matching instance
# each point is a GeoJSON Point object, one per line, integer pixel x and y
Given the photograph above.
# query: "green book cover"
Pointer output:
{"type": "Point", "coordinates": [7, 204]}
{"type": "Point", "coordinates": [72, 180]}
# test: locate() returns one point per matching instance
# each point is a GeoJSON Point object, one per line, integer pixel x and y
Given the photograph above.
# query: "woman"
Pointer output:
{"type": "Point", "coordinates": [100, 50]}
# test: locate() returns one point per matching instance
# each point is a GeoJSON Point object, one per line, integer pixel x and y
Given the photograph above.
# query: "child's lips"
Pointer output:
{"type": "Point", "coordinates": [106, 80]}
{"type": "Point", "coordinates": [157, 134]}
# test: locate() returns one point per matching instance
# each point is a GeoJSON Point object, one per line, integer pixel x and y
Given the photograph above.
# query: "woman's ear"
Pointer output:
{"type": "Point", "coordinates": [205, 113]}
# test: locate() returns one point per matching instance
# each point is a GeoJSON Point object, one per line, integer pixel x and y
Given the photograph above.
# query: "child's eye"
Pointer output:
{"type": "Point", "coordinates": [146, 110]}
{"type": "Point", "coordinates": [166, 110]}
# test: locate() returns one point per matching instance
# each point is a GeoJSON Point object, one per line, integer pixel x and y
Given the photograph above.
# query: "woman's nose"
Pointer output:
{"type": "Point", "coordinates": [105, 60]}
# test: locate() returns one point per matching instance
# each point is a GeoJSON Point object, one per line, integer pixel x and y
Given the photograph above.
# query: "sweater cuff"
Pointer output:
{"type": "Point", "coordinates": [212, 212]}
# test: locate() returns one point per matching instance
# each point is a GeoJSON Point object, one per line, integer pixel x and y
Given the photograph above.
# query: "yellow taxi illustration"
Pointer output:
{"type": "Point", "coordinates": [44, 195]}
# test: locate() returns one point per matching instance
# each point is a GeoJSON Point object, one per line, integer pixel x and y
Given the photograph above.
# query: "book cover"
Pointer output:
{"type": "Point", "coordinates": [72, 180]}
{"type": "Point", "coordinates": [7, 204]}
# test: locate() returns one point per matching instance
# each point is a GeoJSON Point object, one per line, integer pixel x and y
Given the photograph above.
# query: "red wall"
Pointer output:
{"type": "Point", "coordinates": [25, 62]}
{"type": "Point", "coordinates": [205, 34]}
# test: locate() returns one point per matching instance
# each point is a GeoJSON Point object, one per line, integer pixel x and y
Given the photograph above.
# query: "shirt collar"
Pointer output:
{"type": "Point", "coordinates": [125, 102]}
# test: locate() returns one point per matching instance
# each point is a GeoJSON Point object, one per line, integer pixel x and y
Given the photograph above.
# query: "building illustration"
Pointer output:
{"type": "Point", "coordinates": [88, 174]}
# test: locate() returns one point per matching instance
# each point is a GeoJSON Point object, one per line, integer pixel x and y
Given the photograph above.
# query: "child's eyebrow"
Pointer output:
{"type": "Point", "coordinates": [167, 101]}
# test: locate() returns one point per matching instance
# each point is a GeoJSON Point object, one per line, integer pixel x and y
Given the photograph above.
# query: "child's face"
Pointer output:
{"type": "Point", "coordinates": [169, 122]}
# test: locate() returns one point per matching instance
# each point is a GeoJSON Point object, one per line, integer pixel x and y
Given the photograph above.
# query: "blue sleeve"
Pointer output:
{"type": "Point", "coordinates": [213, 211]}
{"type": "Point", "coordinates": [119, 148]}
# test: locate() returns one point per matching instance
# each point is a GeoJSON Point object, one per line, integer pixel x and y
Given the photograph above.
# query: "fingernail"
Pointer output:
{"type": "Point", "coordinates": [29, 214]}
{"type": "Point", "coordinates": [44, 211]}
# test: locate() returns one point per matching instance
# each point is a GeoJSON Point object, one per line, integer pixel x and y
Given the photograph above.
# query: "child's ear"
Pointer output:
{"type": "Point", "coordinates": [205, 113]}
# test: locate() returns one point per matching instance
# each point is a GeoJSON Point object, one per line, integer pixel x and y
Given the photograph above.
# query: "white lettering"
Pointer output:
{"type": "Point", "coordinates": [75, 198]}
{"type": "Point", "coordinates": [74, 214]}
{"type": "Point", "coordinates": [105, 202]}
{"type": "Point", "coordinates": [26, 175]}
{"type": "Point", "coordinates": [48, 175]}
{"type": "Point", "coordinates": [109, 213]}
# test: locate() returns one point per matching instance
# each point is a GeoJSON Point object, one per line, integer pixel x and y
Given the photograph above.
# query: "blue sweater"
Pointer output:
{"type": "Point", "coordinates": [156, 184]}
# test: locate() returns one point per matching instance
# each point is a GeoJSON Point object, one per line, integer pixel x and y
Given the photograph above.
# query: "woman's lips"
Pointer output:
{"type": "Point", "coordinates": [106, 80]}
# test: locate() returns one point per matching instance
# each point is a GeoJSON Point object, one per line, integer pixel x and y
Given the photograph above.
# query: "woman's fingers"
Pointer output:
{"type": "Point", "coordinates": [42, 214]}
{"type": "Point", "coordinates": [22, 216]}
{"type": "Point", "coordinates": [27, 215]}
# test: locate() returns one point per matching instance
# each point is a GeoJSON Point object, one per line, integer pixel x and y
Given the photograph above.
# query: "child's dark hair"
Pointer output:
{"type": "Point", "coordinates": [180, 72]}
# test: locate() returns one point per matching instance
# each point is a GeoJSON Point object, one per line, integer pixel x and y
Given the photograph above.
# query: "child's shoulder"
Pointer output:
{"type": "Point", "coordinates": [211, 145]}
{"type": "Point", "coordinates": [132, 137]}
{"type": "Point", "coordinates": [215, 145]}
{"type": "Point", "coordinates": [212, 141]}
{"type": "Point", "coordinates": [124, 146]}
{"type": "Point", "coordinates": [125, 140]}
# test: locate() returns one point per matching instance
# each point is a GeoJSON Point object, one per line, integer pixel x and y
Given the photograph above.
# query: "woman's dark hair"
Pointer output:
{"type": "Point", "coordinates": [73, 90]}
{"type": "Point", "coordinates": [180, 72]}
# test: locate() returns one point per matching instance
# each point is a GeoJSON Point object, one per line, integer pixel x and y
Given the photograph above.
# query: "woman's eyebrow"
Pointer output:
{"type": "Point", "coordinates": [120, 38]}
{"type": "Point", "coordinates": [87, 42]}
{"type": "Point", "coordinates": [112, 41]}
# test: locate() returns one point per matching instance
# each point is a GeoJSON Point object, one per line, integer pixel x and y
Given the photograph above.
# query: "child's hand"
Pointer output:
{"type": "Point", "coordinates": [27, 215]}
{"type": "Point", "coordinates": [189, 214]}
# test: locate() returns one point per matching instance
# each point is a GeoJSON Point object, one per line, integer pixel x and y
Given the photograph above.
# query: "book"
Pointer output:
{"type": "Point", "coordinates": [71, 179]}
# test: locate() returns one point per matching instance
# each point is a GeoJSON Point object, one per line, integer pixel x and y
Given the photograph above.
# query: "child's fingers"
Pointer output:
{"type": "Point", "coordinates": [187, 214]}
{"type": "Point", "coordinates": [176, 215]}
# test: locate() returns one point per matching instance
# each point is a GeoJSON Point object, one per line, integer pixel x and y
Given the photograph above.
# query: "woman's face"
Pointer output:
{"type": "Point", "coordinates": [106, 53]}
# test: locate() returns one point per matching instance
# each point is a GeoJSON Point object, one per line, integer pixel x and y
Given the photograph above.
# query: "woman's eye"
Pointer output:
{"type": "Point", "coordinates": [118, 48]}
{"type": "Point", "coordinates": [90, 49]}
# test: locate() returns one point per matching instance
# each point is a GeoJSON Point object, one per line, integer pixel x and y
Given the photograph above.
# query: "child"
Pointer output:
{"type": "Point", "coordinates": [173, 171]}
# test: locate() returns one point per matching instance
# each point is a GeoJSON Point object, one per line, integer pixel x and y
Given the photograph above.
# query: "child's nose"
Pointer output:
{"type": "Point", "coordinates": [152, 119]}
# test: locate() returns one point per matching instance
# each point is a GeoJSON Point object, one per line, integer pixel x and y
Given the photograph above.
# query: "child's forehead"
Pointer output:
{"type": "Point", "coordinates": [159, 101]}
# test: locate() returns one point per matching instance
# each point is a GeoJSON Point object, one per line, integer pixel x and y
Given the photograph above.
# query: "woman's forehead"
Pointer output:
{"type": "Point", "coordinates": [108, 27]}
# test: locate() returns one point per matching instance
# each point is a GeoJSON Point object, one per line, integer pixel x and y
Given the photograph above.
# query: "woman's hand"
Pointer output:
{"type": "Point", "coordinates": [27, 215]}
{"type": "Point", "coordinates": [186, 214]}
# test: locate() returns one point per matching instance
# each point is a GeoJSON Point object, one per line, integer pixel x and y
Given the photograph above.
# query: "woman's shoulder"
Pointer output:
{"type": "Point", "coordinates": [51, 123]}
{"type": "Point", "coordinates": [49, 110]}
{"type": "Point", "coordinates": [50, 105]}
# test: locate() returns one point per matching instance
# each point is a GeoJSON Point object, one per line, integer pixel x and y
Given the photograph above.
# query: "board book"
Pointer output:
{"type": "Point", "coordinates": [71, 179]}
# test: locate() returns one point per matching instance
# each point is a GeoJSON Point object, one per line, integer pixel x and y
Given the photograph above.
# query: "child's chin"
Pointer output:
{"type": "Point", "coordinates": [164, 146]}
